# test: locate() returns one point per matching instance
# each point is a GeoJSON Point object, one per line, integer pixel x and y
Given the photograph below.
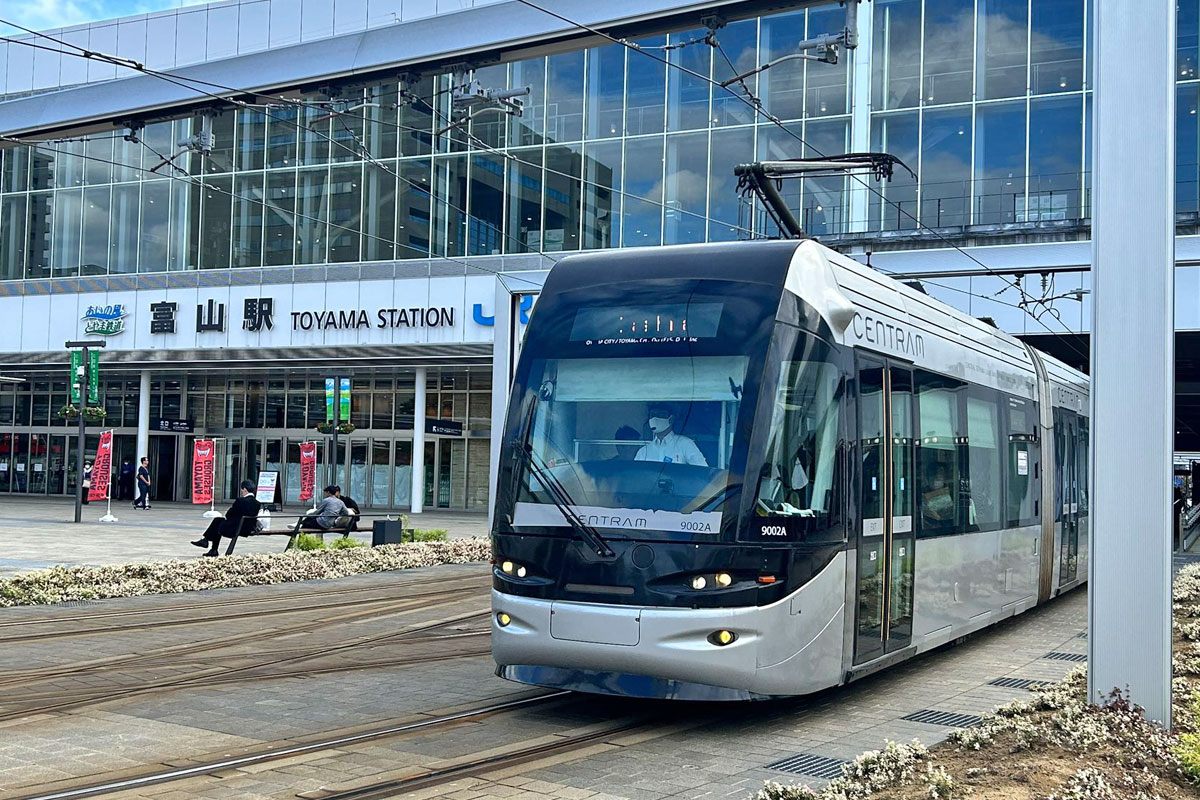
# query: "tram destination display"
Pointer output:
{"type": "Point", "coordinates": [668, 321]}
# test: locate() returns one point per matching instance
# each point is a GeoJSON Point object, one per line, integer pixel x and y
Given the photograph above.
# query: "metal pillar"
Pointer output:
{"type": "Point", "coordinates": [81, 439]}
{"type": "Point", "coordinates": [143, 422]}
{"type": "Point", "coordinates": [418, 447]}
{"type": "Point", "coordinates": [860, 119]}
{"type": "Point", "coordinates": [1133, 240]}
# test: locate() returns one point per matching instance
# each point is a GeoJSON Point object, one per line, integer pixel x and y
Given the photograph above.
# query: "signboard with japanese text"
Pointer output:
{"type": "Point", "coordinates": [397, 311]}
{"type": "Point", "coordinates": [102, 468]}
{"type": "Point", "coordinates": [203, 464]}
{"type": "Point", "coordinates": [308, 470]}
{"type": "Point", "coordinates": [76, 369]}
{"type": "Point", "coordinates": [265, 490]}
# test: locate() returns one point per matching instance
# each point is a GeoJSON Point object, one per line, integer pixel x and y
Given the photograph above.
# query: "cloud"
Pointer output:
{"type": "Point", "coordinates": [43, 15]}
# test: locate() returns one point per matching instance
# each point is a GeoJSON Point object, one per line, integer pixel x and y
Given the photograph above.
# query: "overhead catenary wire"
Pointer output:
{"type": "Point", "coordinates": [196, 182]}
{"type": "Point", "coordinates": [749, 98]}
{"type": "Point", "coordinates": [285, 102]}
{"type": "Point", "coordinates": [756, 105]}
{"type": "Point", "coordinates": [181, 82]}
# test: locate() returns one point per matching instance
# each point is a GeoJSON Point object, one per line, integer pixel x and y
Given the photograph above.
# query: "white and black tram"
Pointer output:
{"type": "Point", "coordinates": [757, 469]}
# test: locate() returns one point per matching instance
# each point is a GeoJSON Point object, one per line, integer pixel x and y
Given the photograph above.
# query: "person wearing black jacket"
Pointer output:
{"type": "Point", "coordinates": [351, 506]}
{"type": "Point", "coordinates": [244, 507]}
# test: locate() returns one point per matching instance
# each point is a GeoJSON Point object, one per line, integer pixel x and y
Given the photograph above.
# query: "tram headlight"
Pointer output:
{"type": "Point", "coordinates": [699, 582]}
{"type": "Point", "coordinates": [722, 637]}
{"type": "Point", "coordinates": [521, 572]}
{"type": "Point", "coordinates": [507, 567]}
{"type": "Point", "coordinates": [503, 619]}
{"type": "Point", "coordinates": [724, 579]}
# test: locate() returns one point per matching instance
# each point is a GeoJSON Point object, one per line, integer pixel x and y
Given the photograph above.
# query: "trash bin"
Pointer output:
{"type": "Point", "coordinates": [387, 531]}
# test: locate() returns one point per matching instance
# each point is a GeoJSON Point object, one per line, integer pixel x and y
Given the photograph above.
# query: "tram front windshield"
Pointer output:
{"type": "Point", "coordinates": [637, 425]}
{"type": "Point", "coordinates": [633, 435]}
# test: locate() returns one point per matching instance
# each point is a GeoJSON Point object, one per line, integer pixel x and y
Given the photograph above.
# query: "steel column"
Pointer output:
{"type": "Point", "coordinates": [418, 445]}
{"type": "Point", "coordinates": [1133, 239]}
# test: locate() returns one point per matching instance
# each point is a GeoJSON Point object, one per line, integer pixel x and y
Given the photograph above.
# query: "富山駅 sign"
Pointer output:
{"type": "Point", "coordinates": [104, 320]}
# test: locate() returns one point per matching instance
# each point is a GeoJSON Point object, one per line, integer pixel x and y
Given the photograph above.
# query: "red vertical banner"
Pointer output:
{"type": "Point", "coordinates": [102, 468]}
{"type": "Point", "coordinates": [204, 460]}
{"type": "Point", "coordinates": [308, 470]}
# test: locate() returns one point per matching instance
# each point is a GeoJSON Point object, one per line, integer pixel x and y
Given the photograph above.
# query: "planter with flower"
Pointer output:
{"type": "Point", "coordinates": [90, 413]}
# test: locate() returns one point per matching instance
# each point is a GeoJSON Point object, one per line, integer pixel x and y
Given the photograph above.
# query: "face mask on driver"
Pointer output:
{"type": "Point", "coordinates": [659, 424]}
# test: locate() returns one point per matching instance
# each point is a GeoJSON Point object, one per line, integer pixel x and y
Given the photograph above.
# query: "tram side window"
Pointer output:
{"type": "Point", "coordinates": [1023, 457]}
{"type": "Point", "coordinates": [1081, 469]}
{"type": "Point", "coordinates": [798, 473]}
{"type": "Point", "coordinates": [939, 473]}
{"type": "Point", "coordinates": [985, 503]}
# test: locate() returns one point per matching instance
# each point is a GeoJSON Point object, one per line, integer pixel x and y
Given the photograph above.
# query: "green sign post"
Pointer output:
{"type": "Point", "coordinates": [85, 372]}
{"type": "Point", "coordinates": [94, 377]}
{"type": "Point", "coordinates": [344, 399]}
{"type": "Point", "coordinates": [329, 384]}
{"type": "Point", "coordinates": [76, 374]}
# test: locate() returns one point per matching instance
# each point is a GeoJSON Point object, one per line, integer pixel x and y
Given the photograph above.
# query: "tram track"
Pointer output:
{"type": "Point", "coordinates": [282, 750]}
{"type": "Point", "coordinates": [395, 787]}
{"type": "Point", "coordinates": [224, 673]}
{"type": "Point", "coordinates": [377, 607]}
{"type": "Point", "coordinates": [201, 607]}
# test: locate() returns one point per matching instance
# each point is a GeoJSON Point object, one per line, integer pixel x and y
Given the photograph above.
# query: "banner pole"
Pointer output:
{"type": "Point", "coordinates": [108, 515]}
{"type": "Point", "coordinates": [212, 512]}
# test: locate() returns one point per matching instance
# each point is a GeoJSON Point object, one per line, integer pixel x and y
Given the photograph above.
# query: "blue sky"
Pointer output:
{"type": "Point", "coordinates": [44, 14]}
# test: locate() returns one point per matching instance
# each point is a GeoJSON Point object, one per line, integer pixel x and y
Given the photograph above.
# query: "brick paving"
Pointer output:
{"type": "Point", "coordinates": [48, 534]}
{"type": "Point", "coordinates": [710, 751]}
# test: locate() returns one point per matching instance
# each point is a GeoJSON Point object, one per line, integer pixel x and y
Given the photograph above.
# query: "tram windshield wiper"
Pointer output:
{"type": "Point", "coordinates": [562, 501]}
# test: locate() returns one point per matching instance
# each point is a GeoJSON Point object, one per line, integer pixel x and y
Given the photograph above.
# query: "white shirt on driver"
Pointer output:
{"type": "Point", "coordinates": [672, 449]}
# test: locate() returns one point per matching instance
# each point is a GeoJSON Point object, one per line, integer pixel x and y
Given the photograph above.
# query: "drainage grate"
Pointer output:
{"type": "Point", "coordinates": [1020, 683]}
{"type": "Point", "coordinates": [810, 764]}
{"type": "Point", "coordinates": [1057, 656]}
{"type": "Point", "coordinates": [950, 720]}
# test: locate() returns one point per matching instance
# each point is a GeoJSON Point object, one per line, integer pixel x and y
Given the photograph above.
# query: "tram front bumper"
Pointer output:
{"type": "Point", "coordinates": [667, 643]}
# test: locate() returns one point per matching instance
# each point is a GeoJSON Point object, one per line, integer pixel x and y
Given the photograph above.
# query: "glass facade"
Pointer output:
{"type": "Point", "coordinates": [261, 422]}
{"type": "Point", "coordinates": [988, 102]}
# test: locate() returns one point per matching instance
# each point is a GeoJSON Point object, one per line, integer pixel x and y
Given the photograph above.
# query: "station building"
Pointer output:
{"type": "Point", "coordinates": [296, 201]}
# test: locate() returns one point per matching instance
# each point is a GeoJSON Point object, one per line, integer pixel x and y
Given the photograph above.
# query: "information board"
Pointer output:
{"type": "Point", "coordinates": [267, 481]}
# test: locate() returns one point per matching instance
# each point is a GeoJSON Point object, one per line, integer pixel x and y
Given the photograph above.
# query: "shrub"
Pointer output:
{"type": "Point", "coordinates": [432, 535]}
{"type": "Point", "coordinates": [346, 543]}
{"type": "Point", "coordinates": [781, 791]}
{"type": "Point", "coordinates": [1188, 748]}
{"type": "Point", "coordinates": [940, 786]}
{"type": "Point", "coordinates": [308, 541]}
{"type": "Point", "coordinates": [63, 584]}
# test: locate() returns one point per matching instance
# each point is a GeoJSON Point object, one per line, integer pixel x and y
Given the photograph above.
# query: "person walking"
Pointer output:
{"type": "Point", "coordinates": [126, 481]}
{"type": "Point", "coordinates": [87, 481]}
{"type": "Point", "coordinates": [143, 485]}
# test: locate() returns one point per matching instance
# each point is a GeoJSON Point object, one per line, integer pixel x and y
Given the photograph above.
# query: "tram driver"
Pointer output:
{"type": "Point", "coordinates": [665, 445]}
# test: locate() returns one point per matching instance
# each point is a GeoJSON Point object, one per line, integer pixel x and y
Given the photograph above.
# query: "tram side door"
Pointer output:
{"type": "Point", "coordinates": [885, 537]}
{"type": "Point", "coordinates": [1069, 492]}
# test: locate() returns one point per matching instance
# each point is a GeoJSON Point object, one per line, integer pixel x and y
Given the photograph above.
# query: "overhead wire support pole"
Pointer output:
{"type": "Point", "coordinates": [1132, 385]}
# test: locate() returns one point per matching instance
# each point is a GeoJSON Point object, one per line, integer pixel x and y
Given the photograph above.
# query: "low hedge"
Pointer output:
{"type": "Point", "coordinates": [63, 584]}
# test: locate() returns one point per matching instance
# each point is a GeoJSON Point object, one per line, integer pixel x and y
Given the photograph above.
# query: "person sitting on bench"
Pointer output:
{"type": "Point", "coordinates": [246, 506]}
{"type": "Point", "coordinates": [327, 512]}
{"type": "Point", "coordinates": [351, 507]}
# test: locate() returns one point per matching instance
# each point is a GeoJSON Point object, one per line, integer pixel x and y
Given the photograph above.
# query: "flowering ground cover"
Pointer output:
{"type": "Point", "coordinates": [1052, 747]}
{"type": "Point", "coordinates": [61, 584]}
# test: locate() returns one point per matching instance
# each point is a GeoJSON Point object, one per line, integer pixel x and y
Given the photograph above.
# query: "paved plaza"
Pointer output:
{"type": "Point", "coordinates": [41, 532]}
{"type": "Point", "coordinates": [207, 685]}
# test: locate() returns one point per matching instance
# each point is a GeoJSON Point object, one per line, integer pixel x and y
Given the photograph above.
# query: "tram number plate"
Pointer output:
{"type": "Point", "coordinates": [778, 530]}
